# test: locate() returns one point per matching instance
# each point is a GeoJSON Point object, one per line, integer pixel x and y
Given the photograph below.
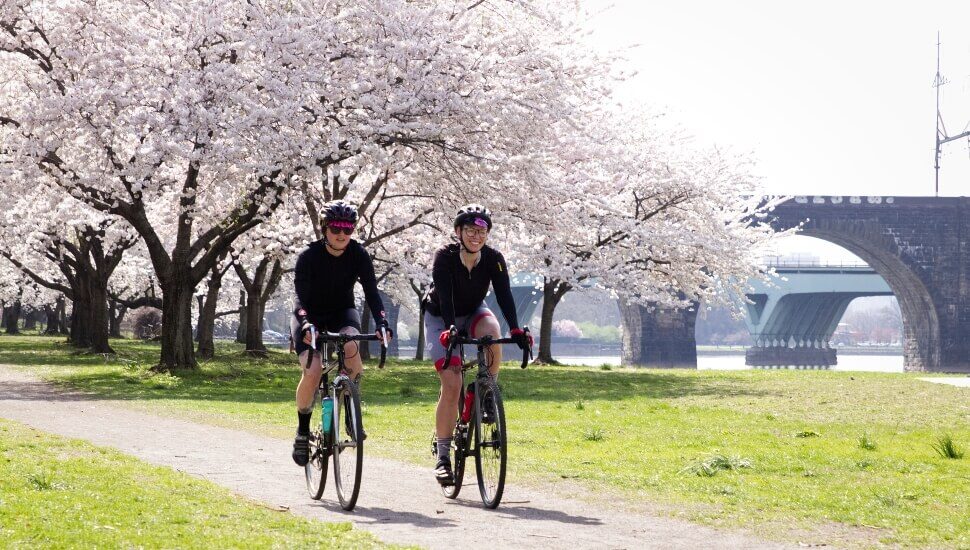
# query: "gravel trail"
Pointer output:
{"type": "Point", "coordinates": [400, 503]}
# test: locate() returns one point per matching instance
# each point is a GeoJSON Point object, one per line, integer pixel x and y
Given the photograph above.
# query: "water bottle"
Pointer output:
{"type": "Point", "coordinates": [327, 417]}
{"type": "Point", "coordinates": [466, 411]}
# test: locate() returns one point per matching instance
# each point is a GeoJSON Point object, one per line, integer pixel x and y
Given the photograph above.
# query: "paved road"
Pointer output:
{"type": "Point", "coordinates": [959, 382]}
{"type": "Point", "coordinates": [399, 502]}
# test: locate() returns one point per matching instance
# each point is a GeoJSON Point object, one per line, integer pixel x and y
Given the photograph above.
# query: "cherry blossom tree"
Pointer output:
{"type": "Point", "coordinates": [655, 220]}
{"type": "Point", "coordinates": [193, 121]}
{"type": "Point", "coordinates": [70, 249]}
{"type": "Point", "coordinates": [260, 259]}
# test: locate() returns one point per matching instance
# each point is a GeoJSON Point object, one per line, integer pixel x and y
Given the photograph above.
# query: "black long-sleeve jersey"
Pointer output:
{"type": "Point", "coordinates": [456, 291]}
{"type": "Point", "coordinates": [325, 283]}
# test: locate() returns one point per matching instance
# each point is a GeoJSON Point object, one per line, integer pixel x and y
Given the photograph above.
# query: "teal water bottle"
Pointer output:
{"type": "Point", "coordinates": [327, 417]}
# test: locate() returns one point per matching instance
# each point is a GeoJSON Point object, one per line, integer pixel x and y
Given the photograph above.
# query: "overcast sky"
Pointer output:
{"type": "Point", "coordinates": [828, 97]}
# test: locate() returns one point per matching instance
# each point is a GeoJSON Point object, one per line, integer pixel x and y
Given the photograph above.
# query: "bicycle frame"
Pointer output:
{"type": "Point", "coordinates": [329, 442]}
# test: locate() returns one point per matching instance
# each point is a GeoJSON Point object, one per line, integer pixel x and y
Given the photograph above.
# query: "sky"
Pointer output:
{"type": "Point", "coordinates": [829, 98]}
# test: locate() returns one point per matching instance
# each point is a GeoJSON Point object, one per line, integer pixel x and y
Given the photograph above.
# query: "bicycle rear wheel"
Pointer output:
{"type": "Point", "coordinates": [348, 445]}
{"type": "Point", "coordinates": [490, 442]}
{"type": "Point", "coordinates": [316, 468]}
{"type": "Point", "coordinates": [460, 444]}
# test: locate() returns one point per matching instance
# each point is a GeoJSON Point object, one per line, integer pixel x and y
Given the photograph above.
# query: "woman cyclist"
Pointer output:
{"type": "Point", "coordinates": [325, 275]}
{"type": "Point", "coordinates": [461, 275]}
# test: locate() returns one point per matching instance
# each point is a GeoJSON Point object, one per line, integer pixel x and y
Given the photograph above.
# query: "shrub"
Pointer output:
{"type": "Point", "coordinates": [602, 334]}
{"type": "Point", "coordinates": [566, 329]}
{"type": "Point", "coordinates": [147, 324]}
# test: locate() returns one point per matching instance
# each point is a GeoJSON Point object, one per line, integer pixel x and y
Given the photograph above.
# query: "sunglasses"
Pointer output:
{"type": "Point", "coordinates": [474, 232]}
{"type": "Point", "coordinates": [337, 229]}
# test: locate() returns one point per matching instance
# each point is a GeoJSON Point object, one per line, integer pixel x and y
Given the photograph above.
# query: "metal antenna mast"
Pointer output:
{"type": "Point", "coordinates": [941, 136]}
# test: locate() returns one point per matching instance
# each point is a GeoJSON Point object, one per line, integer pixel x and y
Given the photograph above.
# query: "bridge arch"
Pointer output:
{"type": "Point", "coordinates": [915, 245]}
{"type": "Point", "coordinates": [921, 326]}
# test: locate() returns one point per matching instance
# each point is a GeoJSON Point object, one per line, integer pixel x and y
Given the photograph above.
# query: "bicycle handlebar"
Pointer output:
{"type": "Point", "coordinates": [341, 338]}
{"type": "Point", "coordinates": [455, 339]}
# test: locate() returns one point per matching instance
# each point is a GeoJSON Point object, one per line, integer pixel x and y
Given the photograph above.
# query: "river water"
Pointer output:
{"type": "Point", "coordinates": [868, 363]}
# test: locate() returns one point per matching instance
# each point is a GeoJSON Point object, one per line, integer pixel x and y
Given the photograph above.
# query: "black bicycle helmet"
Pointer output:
{"type": "Point", "coordinates": [470, 212]}
{"type": "Point", "coordinates": [339, 211]}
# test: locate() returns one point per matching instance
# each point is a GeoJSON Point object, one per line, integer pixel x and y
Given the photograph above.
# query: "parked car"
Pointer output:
{"type": "Point", "coordinates": [273, 336]}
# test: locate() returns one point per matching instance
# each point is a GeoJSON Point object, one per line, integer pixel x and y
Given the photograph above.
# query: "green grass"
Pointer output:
{"type": "Point", "coordinates": [639, 434]}
{"type": "Point", "coordinates": [63, 493]}
{"type": "Point", "coordinates": [946, 448]}
{"type": "Point", "coordinates": [866, 442]}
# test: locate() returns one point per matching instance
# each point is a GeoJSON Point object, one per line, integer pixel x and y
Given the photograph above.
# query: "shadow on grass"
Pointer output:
{"type": "Point", "coordinates": [237, 378]}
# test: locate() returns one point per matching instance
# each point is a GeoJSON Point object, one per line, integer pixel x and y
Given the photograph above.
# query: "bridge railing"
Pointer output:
{"type": "Point", "coordinates": [813, 264]}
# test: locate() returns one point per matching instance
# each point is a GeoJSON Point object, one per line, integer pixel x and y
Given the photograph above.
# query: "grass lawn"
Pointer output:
{"type": "Point", "coordinates": [63, 493]}
{"type": "Point", "coordinates": [840, 457]}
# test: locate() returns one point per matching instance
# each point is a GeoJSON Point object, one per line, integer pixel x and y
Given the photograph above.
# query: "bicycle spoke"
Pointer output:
{"type": "Point", "coordinates": [490, 448]}
{"type": "Point", "coordinates": [349, 448]}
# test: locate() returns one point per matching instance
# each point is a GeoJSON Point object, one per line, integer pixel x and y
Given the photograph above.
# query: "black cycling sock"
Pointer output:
{"type": "Point", "coordinates": [304, 421]}
{"type": "Point", "coordinates": [444, 447]}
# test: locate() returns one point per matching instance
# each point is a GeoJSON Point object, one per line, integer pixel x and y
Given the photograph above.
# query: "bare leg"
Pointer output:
{"type": "Point", "coordinates": [309, 381]}
{"type": "Point", "coordinates": [488, 326]}
{"type": "Point", "coordinates": [447, 412]}
{"type": "Point", "coordinates": [352, 359]}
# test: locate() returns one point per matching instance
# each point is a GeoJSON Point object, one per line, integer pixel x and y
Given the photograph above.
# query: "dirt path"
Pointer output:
{"type": "Point", "coordinates": [399, 502]}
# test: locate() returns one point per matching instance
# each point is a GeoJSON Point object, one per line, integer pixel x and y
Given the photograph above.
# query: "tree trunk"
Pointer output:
{"type": "Point", "coordinates": [99, 317]}
{"type": "Point", "coordinates": [54, 317]}
{"type": "Point", "coordinates": [553, 291]}
{"type": "Point", "coordinates": [419, 352]}
{"type": "Point", "coordinates": [62, 322]}
{"type": "Point", "coordinates": [12, 315]}
{"type": "Point", "coordinates": [80, 333]}
{"type": "Point", "coordinates": [259, 289]}
{"type": "Point", "coordinates": [117, 312]}
{"type": "Point", "coordinates": [207, 316]}
{"type": "Point", "coordinates": [254, 326]}
{"type": "Point", "coordinates": [178, 352]}
{"type": "Point", "coordinates": [30, 320]}
{"type": "Point", "coordinates": [241, 330]}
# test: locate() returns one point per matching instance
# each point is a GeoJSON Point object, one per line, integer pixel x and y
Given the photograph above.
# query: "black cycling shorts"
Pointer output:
{"type": "Point", "coordinates": [330, 321]}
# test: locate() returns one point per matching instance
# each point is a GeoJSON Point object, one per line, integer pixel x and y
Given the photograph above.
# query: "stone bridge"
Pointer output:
{"type": "Point", "coordinates": [919, 245]}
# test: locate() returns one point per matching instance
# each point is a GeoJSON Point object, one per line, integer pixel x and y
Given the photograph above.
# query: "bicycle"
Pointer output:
{"type": "Point", "coordinates": [341, 431]}
{"type": "Point", "coordinates": [480, 431]}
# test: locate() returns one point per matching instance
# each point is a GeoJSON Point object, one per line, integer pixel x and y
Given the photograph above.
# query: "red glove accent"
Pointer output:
{"type": "Point", "coordinates": [517, 331]}
{"type": "Point", "coordinates": [445, 338]}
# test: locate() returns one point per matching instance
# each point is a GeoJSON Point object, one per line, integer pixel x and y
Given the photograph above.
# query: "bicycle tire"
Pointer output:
{"type": "Point", "coordinates": [348, 444]}
{"type": "Point", "coordinates": [460, 444]}
{"type": "Point", "coordinates": [316, 468]}
{"type": "Point", "coordinates": [491, 443]}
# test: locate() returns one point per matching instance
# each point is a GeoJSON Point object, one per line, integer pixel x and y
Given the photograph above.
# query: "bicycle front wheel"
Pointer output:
{"type": "Point", "coordinates": [348, 445]}
{"type": "Point", "coordinates": [490, 442]}
{"type": "Point", "coordinates": [316, 468]}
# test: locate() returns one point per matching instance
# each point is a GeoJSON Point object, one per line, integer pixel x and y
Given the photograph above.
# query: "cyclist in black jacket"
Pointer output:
{"type": "Point", "coordinates": [461, 275]}
{"type": "Point", "coordinates": [325, 274]}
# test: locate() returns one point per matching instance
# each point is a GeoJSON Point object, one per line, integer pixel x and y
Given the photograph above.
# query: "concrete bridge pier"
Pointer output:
{"type": "Point", "coordinates": [792, 320]}
{"type": "Point", "coordinates": [658, 337]}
